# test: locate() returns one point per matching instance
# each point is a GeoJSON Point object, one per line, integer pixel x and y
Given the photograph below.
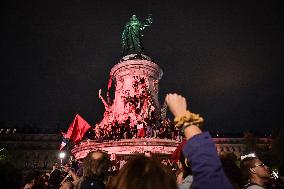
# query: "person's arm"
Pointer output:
{"type": "Point", "coordinates": [178, 106]}
{"type": "Point", "coordinates": [103, 100]}
{"type": "Point", "coordinates": [73, 175]}
{"type": "Point", "coordinates": [199, 149]}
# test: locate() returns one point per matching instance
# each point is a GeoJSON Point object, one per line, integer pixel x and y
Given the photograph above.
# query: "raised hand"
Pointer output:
{"type": "Point", "coordinates": [177, 104]}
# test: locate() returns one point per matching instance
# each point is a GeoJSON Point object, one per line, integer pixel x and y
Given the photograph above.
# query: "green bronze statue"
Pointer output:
{"type": "Point", "coordinates": [131, 39]}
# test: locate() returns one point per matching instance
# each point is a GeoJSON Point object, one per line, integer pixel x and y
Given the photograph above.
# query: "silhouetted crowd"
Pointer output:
{"type": "Point", "coordinates": [166, 130]}
{"type": "Point", "coordinates": [97, 171]}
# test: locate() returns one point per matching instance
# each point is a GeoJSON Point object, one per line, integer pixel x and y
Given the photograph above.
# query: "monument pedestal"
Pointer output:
{"type": "Point", "coordinates": [126, 148]}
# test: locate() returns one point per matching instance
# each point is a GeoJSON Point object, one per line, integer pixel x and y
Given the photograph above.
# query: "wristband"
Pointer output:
{"type": "Point", "coordinates": [179, 121]}
{"type": "Point", "coordinates": [188, 119]}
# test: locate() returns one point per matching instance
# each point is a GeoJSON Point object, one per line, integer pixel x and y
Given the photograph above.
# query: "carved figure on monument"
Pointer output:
{"type": "Point", "coordinates": [108, 114]}
{"type": "Point", "coordinates": [131, 39]}
{"type": "Point", "coordinates": [107, 105]}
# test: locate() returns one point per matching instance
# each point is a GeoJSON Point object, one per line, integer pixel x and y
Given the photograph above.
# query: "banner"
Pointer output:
{"type": "Point", "coordinates": [75, 131]}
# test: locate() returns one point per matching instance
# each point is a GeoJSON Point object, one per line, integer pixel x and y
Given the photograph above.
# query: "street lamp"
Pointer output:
{"type": "Point", "coordinates": [61, 157]}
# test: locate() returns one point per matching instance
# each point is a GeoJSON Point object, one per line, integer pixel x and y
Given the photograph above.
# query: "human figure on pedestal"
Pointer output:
{"type": "Point", "coordinates": [131, 39]}
{"type": "Point", "coordinates": [149, 131]}
{"type": "Point", "coordinates": [141, 130]}
{"type": "Point", "coordinates": [107, 105]}
{"type": "Point", "coordinates": [161, 132]}
{"type": "Point", "coordinates": [155, 130]}
{"type": "Point", "coordinates": [108, 116]}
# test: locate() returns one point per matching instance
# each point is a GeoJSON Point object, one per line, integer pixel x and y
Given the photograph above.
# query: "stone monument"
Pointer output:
{"type": "Point", "coordinates": [133, 118]}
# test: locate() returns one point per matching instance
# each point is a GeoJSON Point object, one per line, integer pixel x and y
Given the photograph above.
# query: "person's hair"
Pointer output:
{"type": "Point", "coordinates": [143, 173]}
{"type": "Point", "coordinates": [281, 170]}
{"type": "Point", "coordinates": [96, 168]}
{"type": "Point", "coordinates": [55, 178]}
{"type": "Point", "coordinates": [231, 169]}
{"type": "Point", "coordinates": [245, 166]}
{"type": "Point", "coordinates": [30, 176]}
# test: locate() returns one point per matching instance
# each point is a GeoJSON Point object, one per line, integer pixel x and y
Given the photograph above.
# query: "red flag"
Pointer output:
{"type": "Point", "coordinates": [109, 83]}
{"type": "Point", "coordinates": [77, 129]}
{"type": "Point", "coordinates": [176, 153]}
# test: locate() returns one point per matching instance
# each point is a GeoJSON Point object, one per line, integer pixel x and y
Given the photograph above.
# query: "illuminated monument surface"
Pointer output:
{"type": "Point", "coordinates": [133, 119]}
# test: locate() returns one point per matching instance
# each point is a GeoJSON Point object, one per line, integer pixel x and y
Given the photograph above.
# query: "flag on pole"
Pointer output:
{"type": "Point", "coordinates": [75, 131]}
{"type": "Point", "coordinates": [178, 150]}
{"type": "Point", "coordinates": [109, 83]}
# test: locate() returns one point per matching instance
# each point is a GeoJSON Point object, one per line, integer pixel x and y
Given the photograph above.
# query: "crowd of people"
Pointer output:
{"type": "Point", "coordinates": [165, 130]}
{"type": "Point", "coordinates": [198, 166]}
{"type": "Point", "coordinates": [98, 172]}
{"type": "Point", "coordinates": [138, 119]}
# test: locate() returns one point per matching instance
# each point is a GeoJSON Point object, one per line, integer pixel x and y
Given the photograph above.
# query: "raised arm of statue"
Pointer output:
{"type": "Point", "coordinates": [147, 22]}
{"type": "Point", "coordinates": [103, 100]}
{"type": "Point", "coordinates": [100, 93]}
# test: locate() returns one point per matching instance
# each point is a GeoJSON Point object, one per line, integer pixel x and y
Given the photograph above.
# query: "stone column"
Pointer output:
{"type": "Point", "coordinates": [125, 74]}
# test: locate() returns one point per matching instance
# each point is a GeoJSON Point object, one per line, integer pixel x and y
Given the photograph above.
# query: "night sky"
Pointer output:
{"type": "Point", "coordinates": [226, 58]}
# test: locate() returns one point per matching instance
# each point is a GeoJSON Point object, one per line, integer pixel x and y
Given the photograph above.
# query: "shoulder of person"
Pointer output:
{"type": "Point", "coordinates": [252, 186]}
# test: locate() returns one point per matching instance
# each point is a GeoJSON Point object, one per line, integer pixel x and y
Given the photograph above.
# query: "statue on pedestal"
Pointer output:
{"type": "Point", "coordinates": [131, 39]}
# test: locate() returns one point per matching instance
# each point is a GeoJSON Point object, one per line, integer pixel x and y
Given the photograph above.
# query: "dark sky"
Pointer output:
{"type": "Point", "coordinates": [225, 57]}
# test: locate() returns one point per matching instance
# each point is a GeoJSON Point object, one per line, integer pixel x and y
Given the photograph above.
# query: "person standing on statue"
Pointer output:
{"type": "Point", "coordinates": [131, 39]}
